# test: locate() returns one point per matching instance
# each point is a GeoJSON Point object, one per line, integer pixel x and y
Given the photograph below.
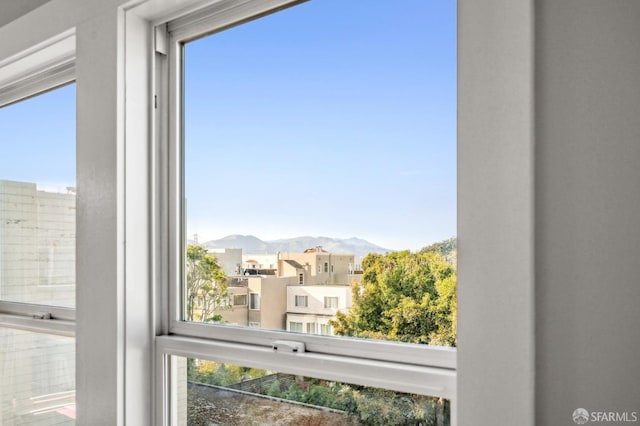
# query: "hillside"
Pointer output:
{"type": "Point", "coordinates": [252, 244]}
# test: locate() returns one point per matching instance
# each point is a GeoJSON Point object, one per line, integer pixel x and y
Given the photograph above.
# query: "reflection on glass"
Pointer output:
{"type": "Point", "coordinates": [213, 393]}
{"type": "Point", "coordinates": [324, 119]}
{"type": "Point", "coordinates": [38, 379]}
{"type": "Point", "coordinates": [38, 200]}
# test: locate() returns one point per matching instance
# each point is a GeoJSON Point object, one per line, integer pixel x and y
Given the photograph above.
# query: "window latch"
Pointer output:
{"type": "Point", "coordinates": [288, 346]}
{"type": "Point", "coordinates": [42, 315]}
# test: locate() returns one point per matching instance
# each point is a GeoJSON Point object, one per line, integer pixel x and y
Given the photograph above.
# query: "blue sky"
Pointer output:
{"type": "Point", "coordinates": [38, 139]}
{"type": "Point", "coordinates": [333, 118]}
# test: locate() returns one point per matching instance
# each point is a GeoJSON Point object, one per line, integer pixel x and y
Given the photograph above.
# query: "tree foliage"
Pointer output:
{"type": "Point", "coordinates": [444, 248]}
{"type": "Point", "coordinates": [206, 285]}
{"type": "Point", "coordinates": [403, 296]}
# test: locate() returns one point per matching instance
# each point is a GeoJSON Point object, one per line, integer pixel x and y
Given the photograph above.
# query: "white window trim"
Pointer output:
{"type": "Point", "coordinates": [328, 299]}
{"type": "Point", "coordinates": [45, 67]}
{"type": "Point", "coordinates": [304, 299]}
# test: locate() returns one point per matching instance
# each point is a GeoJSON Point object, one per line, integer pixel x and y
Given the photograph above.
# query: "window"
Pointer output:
{"type": "Point", "coordinates": [38, 250]}
{"type": "Point", "coordinates": [331, 302]}
{"type": "Point", "coordinates": [38, 378]}
{"type": "Point", "coordinates": [221, 110]}
{"type": "Point", "coordinates": [325, 330]}
{"type": "Point", "coordinates": [254, 301]}
{"type": "Point", "coordinates": [245, 394]}
{"type": "Point", "coordinates": [302, 301]}
{"type": "Point", "coordinates": [38, 200]}
{"type": "Point", "coordinates": [239, 299]}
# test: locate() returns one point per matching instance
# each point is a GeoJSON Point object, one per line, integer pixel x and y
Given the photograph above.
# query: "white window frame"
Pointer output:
{"type": "Point", "coordinates": [311, 328]}
{"type": "Point", "coordinates": [297, 323]}
{"type": "Point", "coordinates": [433, 367]}
{"type": "Point", "coordinates": [301, 301]}
{"type": "Point", "coordinates": [327, 299]}
{"type": "Point", "coordinates": [327, 329]}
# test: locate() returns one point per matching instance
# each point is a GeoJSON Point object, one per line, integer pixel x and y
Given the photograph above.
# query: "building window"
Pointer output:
{"type": "Point", "coordinates": [254, 301]}
{"type": "Point", "coordinates": [325, 330]}
{"type": "Point", "coordinates": [302, 301]}
{"type": "Point", "coordinates": [295, 327]}
{"type": "Point", "coordinates": [239, 299]}
{"type": "Point", "coordinates": [301, 279]}
{"type": "Point", "coordinates": [331, 302]}
{"type": "Point", "coordinates": [326, 267]}
{"type": "Point", "coordinates": [311, 328]}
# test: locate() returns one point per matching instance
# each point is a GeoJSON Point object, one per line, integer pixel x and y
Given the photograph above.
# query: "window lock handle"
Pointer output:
{"type": "Point", "coordinates": [288, 346]}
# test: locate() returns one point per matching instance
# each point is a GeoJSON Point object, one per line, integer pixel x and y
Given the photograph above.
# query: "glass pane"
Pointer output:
{"type": "Point", "coordinates": [335, 121]}
{"type": "Point", "coordinates": [210, 393]}
{"type": "Point", "coordinates": [38, 199]}
{"type": "Point", "coordinates": [37, 385]}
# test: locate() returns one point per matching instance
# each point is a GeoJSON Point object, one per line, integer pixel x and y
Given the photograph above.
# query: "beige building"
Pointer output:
{"type": "Point", "coordinates": [306, 292]}
{"type": "Point", "coordinates": [230, 259]}
{"type": "Point", "coordinates": [322, 288]}
{"type": "Point", "coordinates": [257, 301]}
{"type": "Point", "coordinates": [317, 266]}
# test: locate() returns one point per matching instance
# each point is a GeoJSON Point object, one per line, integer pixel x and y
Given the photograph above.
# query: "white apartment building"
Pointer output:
{"type": "Point", "coordinates": [310, 308]}
{"type": "Point", "coordinates": [322, 288]}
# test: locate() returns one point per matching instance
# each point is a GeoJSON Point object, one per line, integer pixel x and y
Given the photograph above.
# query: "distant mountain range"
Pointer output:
{"type": "Point", "coordinates": [254, 245]}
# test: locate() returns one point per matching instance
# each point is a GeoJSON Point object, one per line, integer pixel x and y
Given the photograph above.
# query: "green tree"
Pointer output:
{"type": "Point", "coordinates": [206, 285]}
{"type": "Point", "coordinates": [404, 296]}
{"type": "Point", "coordinates": [444, 248]}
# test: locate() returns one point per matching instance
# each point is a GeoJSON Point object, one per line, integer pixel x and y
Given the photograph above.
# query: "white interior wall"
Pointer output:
{"type": "Point", "coordinates": [587, 208]}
